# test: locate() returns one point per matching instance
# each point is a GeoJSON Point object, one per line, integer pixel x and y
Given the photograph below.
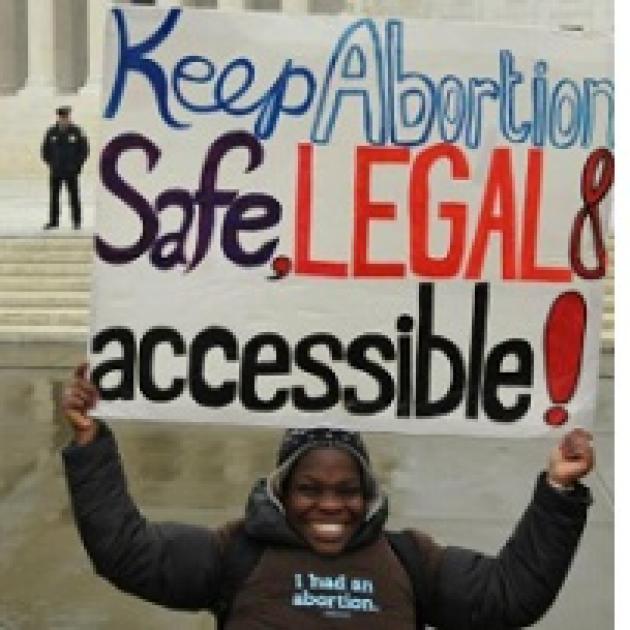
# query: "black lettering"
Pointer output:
{"type": "Point", "coordinates": [404, 325]}
{"type": "Point", "coordinates": [358, 359]}
{"type": "Point", "coordinates": [495, 377]}
{"type": "Point", "coordinates": [146, 362]}
{"type": "Point", "coordinates": [252, 367]}
{"type": "Point", "coordinates": [125, 365]}
{"type": "Point", "coordinates": [427, 342]}
{"type": "Point", "coordinates": [305, 361]}
{"type": "Point", "coordinates": [477, 343]}
{"type": "Point", "coordinates": [202, 393]}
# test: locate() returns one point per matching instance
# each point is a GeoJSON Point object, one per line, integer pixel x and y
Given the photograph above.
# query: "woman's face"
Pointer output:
{"type": "Point", "coordinates": [324, 499]}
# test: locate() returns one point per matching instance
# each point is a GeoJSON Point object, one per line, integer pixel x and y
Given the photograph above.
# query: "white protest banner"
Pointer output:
{"type": "Point", "coordinates": [385, 224]}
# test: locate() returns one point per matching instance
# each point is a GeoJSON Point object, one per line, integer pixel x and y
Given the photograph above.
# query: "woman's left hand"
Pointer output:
{"type": "Point", "coordinates": [572, 458]}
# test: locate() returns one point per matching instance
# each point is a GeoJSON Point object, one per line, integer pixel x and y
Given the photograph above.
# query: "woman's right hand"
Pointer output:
{"type": "Point", "coordinates": [79, 397]}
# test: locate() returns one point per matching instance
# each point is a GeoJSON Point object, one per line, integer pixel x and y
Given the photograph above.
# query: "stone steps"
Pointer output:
{"type": "Point", "coordinates": [31, 269]}
{"type": "Point", "coordinates": [43, 316]}
{"type": "Point", "coordinates": [49, 242]}
{"type": "Point", "coordinates": [608, 316]}
{"type": "Point", "coordinates": [45, 299]}
{"type": "Point", "coordinates": [609, 302]}
{"type": "Point", "coordinates": [43, 334]}
{"type": "Point", "coordinates": [30, 284]}
{"type": "Point", "coordinates": [75, 256]}
{"type": "Point", "coordinates": [609, 286]}
{"type": "Point", "coordinates": [608, 321]}
{"type": "Point", "coordinates": [45, 289]}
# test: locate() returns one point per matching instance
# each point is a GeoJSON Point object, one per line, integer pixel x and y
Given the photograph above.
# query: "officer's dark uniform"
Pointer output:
{"type": "Point", "coordinates": [64, 149]}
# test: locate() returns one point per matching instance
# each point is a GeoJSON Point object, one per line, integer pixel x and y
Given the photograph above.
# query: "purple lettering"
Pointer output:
{"type": "Point", "coordinates": [129, 195]}
{"type": "Point", "coordinates": [251, 212]}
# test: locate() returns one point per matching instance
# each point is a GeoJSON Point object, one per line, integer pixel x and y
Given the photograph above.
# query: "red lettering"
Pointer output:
{"type": "Point", "coordinates": [497, 219]}
{"type": "Point", "coordinates": [530, 270]}
{"type": "Point", "coordinates": [499, 192]}
{"type": "Point", "coordinates": [422, 263]}
{"type": "Point", "coordinates": [366, 210]}
{"type": "Point", "coordinates": [304, 263]}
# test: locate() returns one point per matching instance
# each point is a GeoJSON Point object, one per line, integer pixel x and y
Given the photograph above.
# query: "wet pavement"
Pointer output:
{"type": "Point", "coordinates": [462, 491]}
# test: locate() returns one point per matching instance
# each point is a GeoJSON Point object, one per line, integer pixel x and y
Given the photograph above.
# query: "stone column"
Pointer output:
{"type": "Point", "coordinates": [97, 12]}
{"type": "Point", "coordinates": [398, 8]}
{"type": "Point", "coordinates": [299, 7]}
{"type": "Point", "coordinates": [41, 56]}
{"type": "Point", "coordinates": [273, 6]}
{"type": "Point", "coordinates": [71, 42]}
{"type": "Point", "coordinates": [9, 49]}
{"type": "Point", "coordinates": [231, 5]}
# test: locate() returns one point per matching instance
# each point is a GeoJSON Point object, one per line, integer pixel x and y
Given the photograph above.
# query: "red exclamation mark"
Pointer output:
{"type": "Point", "coordinates": [564, 343]}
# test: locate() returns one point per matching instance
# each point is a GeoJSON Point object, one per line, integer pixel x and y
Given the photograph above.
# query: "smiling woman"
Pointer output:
{"type": "Point", "coordinates": [312, 551]}
{"type": "Point", "coordinates": [325, 499]}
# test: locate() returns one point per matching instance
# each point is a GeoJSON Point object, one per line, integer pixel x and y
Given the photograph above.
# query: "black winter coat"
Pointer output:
{"type": "Point", "coordinates": [65, 150]}
{"type": "Point", "coordinates": [180, 566]}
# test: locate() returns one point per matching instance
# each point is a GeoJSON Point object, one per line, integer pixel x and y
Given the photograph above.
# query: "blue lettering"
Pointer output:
{"type": "Point", "coordinates": [540, 98]}
{"type": "Point", "coordinates": [226, 100]}
{"type": "Point", "coordinates": [132, 59]}
{"type": "Point", "coordinates": [478, 88]}
{"type": "Point", "coordinates": [351, 74]}
{"type": "Point", "coordinates": [452, 107]}
{"type": "Point", "coordinates": [366, 70]}
{"type": "Point", "coordinates": [406, 89]}
{"type": "Point", "coordinates": [565, 115]}
{"type": "Point", "coordinates": [273, 103]}
{"type": "Point", "coordinates": [182, 74]}
{"type": "Point", "coordinates": [592, 89]}
{"type": "Point", "coordinates": [510, 79]}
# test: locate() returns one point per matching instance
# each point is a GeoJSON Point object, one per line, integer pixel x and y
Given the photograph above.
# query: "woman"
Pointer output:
{"type": "Point", "coordinates": [312, 551]}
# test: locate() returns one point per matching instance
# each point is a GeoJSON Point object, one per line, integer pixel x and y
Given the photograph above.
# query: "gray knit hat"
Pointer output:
{"type": "Point", "coordinates": [296, 442]}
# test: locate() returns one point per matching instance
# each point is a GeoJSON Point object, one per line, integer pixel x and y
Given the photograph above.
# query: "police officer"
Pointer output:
{"type": "Point", "coordinates": [65, 149]}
